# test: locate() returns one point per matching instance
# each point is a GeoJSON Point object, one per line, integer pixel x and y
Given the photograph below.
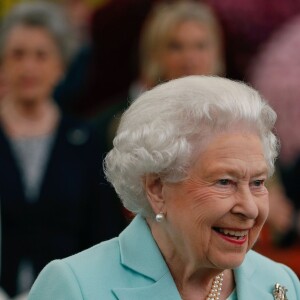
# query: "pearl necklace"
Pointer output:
{"type": "Point", "coordinates": [216, 288]}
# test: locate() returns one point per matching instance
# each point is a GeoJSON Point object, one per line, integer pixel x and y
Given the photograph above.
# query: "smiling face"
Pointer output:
{"type": "Point", "coordinates": [215, 216]}
{"type": "Point", "coordinates": [31, 63]}
{"type": "Point", "coordinates": [191, 50]}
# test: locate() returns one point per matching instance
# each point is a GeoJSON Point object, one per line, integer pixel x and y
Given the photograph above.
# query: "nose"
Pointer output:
{"type": "Point", "coordinates": [246, 204]}
{"type": "Point", "coordinates": [28, 64]}
{"type": "Point", "coordinates": [190, 55]}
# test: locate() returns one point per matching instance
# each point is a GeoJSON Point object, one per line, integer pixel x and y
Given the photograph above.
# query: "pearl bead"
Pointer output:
{"type": "Point", "coordinates": [159, 217]}
{"type": "Point", "coordinates": [216, 288]}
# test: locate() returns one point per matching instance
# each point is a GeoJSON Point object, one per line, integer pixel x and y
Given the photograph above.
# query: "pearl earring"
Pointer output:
{"type": "Point", "coordinates": [159, 217]}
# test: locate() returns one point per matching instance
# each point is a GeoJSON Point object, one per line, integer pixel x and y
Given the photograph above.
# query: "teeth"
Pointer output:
{"type": "Point", "coordinates": [234, 233]}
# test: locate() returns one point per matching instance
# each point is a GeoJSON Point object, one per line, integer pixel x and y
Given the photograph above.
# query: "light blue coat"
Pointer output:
{"type": "Point", "coordinates": [131, 267]}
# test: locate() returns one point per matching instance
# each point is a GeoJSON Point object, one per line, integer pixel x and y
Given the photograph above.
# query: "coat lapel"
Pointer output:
{"type": "Point", "coordinates": [246, 284]}
{"type": "Point", "coordinates": [162, 289]}
{"type": "Point", "coordinates": [147, 261]}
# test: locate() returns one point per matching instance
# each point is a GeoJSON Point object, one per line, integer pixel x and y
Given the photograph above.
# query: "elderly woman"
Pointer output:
{"type": "Point", "coordinates": [50, 189]}
{"type": "Point", "coordinates": [190, 159]}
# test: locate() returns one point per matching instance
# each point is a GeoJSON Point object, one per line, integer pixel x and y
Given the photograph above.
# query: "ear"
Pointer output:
{"type": "Point", "coordinates": [154, 190]}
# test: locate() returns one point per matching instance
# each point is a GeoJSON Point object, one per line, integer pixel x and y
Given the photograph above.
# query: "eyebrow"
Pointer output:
{"type": "Point", "coordinates": [236, 172]}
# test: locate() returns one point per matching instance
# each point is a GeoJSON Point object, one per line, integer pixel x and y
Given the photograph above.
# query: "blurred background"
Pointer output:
{"type": "Point", "coordinates": [57, 110]}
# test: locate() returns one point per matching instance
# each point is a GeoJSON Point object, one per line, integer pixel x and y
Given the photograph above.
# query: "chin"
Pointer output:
{"type": "Point", "coordinates": [231, 261]}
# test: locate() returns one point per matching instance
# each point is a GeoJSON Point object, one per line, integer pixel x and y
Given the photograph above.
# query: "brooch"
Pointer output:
{"type": "Point", "coordinates": [279, 292]}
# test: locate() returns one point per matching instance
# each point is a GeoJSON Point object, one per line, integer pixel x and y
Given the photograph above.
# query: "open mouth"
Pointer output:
{"type": "Point", "coordinates": [238, 235]}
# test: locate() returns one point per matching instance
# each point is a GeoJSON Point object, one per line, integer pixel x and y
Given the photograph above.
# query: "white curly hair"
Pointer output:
{"type": "Point", "coordinates": [163, 130]}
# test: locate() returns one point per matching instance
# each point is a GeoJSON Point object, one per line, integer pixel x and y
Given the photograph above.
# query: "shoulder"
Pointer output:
{"type": "Point", "coordinates": [266, 265]}
{"type": "Point", "coordinates": [95, 259]}
{"type": "Point", "coordinates": [81, 276]}
{"type": "Point", "coordinates": [91, 274]}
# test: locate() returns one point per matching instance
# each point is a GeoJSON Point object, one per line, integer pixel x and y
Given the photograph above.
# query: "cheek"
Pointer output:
{"type": "Point", "coordinates": [170, 69]}
{"type": "Point", "coordinates": [264, 208]}
{"type": "Point", "coordinates": [262, 202]}
{"type": "Point", "coordinates": [206, 194]}
{"type": "Point", "coordinates": [207, 205]}
{"type": "Point", "coordinates": [207, 59]}
{"type": "Point", "coordinates": [190, 199]}
{"type": "Point", "coordinates": [9, 69]}
{"type": "Point", "coordinates": [11, 76]}
{"type": "Point", "coordinates": [170, 59]}
{"type": "Point", "coordinates": [54, 73]}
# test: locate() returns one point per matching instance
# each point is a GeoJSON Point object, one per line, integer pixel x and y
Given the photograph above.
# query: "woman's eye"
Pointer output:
{"type": "Point", "coordinates": [202, 45]}
{"type": "Point", "coordinates": [224, 182]}
{"type": "Point", "coordinates": [175, 46]}
{"type": "Point", "coordinates": [258, 183]}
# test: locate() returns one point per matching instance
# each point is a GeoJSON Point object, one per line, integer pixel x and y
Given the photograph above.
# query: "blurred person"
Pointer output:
{"type": "Point", "coordinates": [51, 185]}
{"type": "Point", "coordinates": [190, 159]}
{"type": "Point", "coordinates": [178, 39]}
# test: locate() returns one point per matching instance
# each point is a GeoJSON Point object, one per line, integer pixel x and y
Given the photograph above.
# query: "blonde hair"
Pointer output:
{"type": "Point", "coordinates": [159, 25]}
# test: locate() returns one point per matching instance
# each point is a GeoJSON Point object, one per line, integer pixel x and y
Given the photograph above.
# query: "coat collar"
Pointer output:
{"type": "Point", "coordinates": [140, 253]}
